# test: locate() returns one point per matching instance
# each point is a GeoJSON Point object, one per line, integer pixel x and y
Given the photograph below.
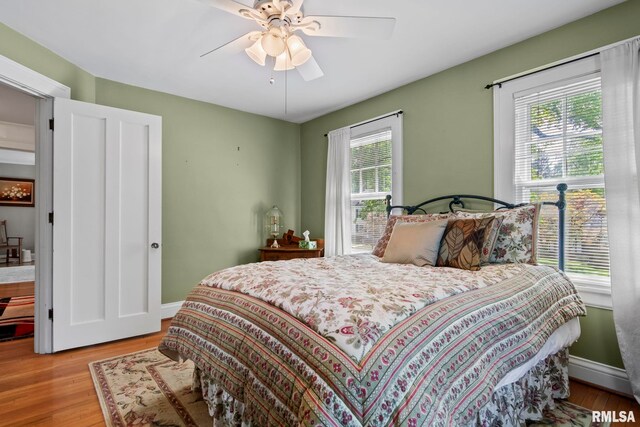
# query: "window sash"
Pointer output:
{"type": "Point", "coordinates": [366, 231]}
{"type": "Point", "coordinates": [555, 140]}
{"type": "Point", "coordinates": [376, 169]}
{"type": "Point", "coordinates": [589, 254]}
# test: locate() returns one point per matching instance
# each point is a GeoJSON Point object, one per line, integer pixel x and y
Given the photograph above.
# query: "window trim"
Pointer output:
{"type": "Point", "coordinates": [592, 292]}
{"type": "Point", "coordinates": [394, 122]}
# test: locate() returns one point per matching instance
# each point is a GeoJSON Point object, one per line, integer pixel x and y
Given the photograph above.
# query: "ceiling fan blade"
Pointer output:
{"type": "Point", "coordinates": [349, 26]}
{"type": "Point", "coordinates": [235, 45]}
{"type": "Point", "coordinates": [230, 6]}
{"type": "Point", "coordinates": [310, 70]}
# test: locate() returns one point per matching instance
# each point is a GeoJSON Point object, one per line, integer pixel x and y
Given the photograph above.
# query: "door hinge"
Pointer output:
{"type": "Point", "coordinates": [51, 313]}
{"type": "Point", "coordinates": [51, 124]}
{"type": "Point", "coordinates": [51, 218]}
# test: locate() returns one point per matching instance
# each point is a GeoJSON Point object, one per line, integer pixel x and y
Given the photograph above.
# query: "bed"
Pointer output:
{"type": "Point", "coordinates": [354, 341]}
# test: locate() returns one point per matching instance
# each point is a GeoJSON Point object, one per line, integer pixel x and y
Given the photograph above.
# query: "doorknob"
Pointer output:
{"type": "Point", "coordinates": [155, 245]}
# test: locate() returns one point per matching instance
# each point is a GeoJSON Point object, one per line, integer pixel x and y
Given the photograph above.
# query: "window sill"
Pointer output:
{"type": "Point", "coordinates": [593, 295]}
{"type": "Point", "coordinates": [360, 251]}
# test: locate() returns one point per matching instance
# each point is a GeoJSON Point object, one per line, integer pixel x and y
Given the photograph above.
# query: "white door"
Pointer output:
{"type": "Point", "coordinates": [107, 224]}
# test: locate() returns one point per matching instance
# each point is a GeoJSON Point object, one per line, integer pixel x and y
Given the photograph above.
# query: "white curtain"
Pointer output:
{"type": "Point", "coordinates": [621, 136]}
{"type": "Point", "coordinates": [337, 210]}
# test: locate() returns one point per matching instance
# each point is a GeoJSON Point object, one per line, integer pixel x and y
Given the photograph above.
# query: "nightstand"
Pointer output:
{"type": "Point", "coordinates": [285, 252]}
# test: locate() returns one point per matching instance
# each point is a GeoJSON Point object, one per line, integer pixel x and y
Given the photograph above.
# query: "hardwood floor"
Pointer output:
{"type": "Point", "coordinates": [596, 399]}
{"type": "Point", "coordinates": [20, 289]}
{"type": "Point", "coordinates": [57, 390]}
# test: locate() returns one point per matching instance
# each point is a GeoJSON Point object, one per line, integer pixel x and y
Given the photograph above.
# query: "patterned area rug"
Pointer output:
{"type": "Point", "coordinates": [146, 388]}
{"type": "Point", "coordinates": [568, 415]}
{"type": "Point", "coordinates": [16, 317]}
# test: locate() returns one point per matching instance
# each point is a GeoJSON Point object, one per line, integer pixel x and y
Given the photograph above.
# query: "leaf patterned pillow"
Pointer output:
{"type": "Point", "coordinates": [490, 234]}
{"type": "Point", "coordinates": [516, 241]}
{"type": "Point", "coordinates": [382, 243]}
{"type": "Point", "coordinates": [462, 243]}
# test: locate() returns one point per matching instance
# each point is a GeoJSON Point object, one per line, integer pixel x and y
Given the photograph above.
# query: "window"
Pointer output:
{"type": "Point", "coordinates": [376, 160]}
{"type": "Point", "coordinates": [550, 131]}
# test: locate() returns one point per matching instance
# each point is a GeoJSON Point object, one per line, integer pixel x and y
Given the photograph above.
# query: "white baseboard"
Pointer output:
{"type": "Point", "coordinates": [600, 374]}
{"type": "Point", "coordinates": [169, 310]}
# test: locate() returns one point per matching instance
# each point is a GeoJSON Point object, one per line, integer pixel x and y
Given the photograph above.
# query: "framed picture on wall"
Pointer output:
{"type": "Point", "coordinates": [17, 192]}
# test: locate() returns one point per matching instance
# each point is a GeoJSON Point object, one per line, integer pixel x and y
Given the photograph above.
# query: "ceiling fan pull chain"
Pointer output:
{"type": "Point", "coordinates": [272, 80]}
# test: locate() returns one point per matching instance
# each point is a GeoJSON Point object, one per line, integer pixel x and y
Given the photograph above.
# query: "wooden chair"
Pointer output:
{"type": "Point", "coordinates": [5, 243]}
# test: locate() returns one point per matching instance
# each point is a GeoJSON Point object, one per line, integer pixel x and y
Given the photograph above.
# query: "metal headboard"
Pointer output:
{"type": "Point", "coordinates": [456, 200]}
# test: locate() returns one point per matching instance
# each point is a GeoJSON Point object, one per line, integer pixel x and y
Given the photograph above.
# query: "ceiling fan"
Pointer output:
{"type": "Point", "coordinates": [280, 20]}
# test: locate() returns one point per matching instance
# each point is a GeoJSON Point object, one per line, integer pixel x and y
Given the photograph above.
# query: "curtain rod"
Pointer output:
{"type": "Point", "coordinates": [569, 60]}
{"type": "Point", "coordinates": [395, 113]}
{"type": "Point", "coordinates": [549, 67]}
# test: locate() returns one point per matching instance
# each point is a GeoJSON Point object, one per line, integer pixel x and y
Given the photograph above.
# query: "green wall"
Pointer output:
{"type": "Point", "coordinates": [598, 340]}
{"type": "Point", "coordinates": [448, 133]}
{"type": "Point", "coordinates": [222, 168]}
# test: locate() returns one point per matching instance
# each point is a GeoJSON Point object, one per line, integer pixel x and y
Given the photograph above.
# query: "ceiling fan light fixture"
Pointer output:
{"type": "Point", "coordinates": [273, 43]}
{"type": "Point", "coordinates": [298, 50]}
{"type": "Point", "coordinates": [257, 53]}
{"type": "Point", "coordinates": [283, 62]}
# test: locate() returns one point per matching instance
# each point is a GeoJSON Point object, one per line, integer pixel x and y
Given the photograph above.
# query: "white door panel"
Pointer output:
{"type": "Point", "coordinates": [106, 201]}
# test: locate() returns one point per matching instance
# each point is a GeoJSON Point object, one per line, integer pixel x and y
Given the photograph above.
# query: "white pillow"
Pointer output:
{"type": "Point", "coordinates": [415, 243]}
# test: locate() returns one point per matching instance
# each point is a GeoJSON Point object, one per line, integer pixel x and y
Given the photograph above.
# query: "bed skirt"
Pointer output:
{"type": "Point", "coordinates": [510, 405]}
{"type": "Point", "coordinates": [528, 397]}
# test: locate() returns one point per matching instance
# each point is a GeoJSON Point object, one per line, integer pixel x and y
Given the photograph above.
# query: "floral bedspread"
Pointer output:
{"type": "Point", "coordinates": [353, 341]}
{"type": "Point", "coordinates": [353, 300]}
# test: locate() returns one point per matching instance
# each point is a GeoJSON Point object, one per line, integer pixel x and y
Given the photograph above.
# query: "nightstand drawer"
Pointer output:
{"type": "Point", "coordinates": [286, 253]}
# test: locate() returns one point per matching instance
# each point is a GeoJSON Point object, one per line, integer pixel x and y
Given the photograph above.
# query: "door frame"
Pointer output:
{"type": "Point", "coordinates": [45, 89]}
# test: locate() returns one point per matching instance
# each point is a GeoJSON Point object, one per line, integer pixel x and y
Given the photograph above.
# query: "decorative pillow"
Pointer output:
{"type": "Point", "coordinates": [415, 243]}
{"type": "Point", "coordinates": [462, 243]}
{"type": "Point", "coordinates": [516, 241]}
{"type": "Point", "coordinates": [381, 245]}
{"type": "Point", "coordinates": [490, 235]}
{"type": "Point", "coordinates": [490, 238]}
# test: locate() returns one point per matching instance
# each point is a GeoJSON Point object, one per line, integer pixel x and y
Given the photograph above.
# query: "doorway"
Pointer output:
{"type": "Point", "coordinates": [42, 90]}
{"type": "Point", "coordinates": [17, 213]}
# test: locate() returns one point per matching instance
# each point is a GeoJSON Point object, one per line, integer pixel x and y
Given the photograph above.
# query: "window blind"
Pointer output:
{"type": "Point", "coordinates": [371, 181]}
{"type": "Point", "coordinates": [558, 138]}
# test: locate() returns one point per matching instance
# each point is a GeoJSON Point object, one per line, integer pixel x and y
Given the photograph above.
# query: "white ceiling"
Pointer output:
{"type": "Point", "coordinates": [156, 44]}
